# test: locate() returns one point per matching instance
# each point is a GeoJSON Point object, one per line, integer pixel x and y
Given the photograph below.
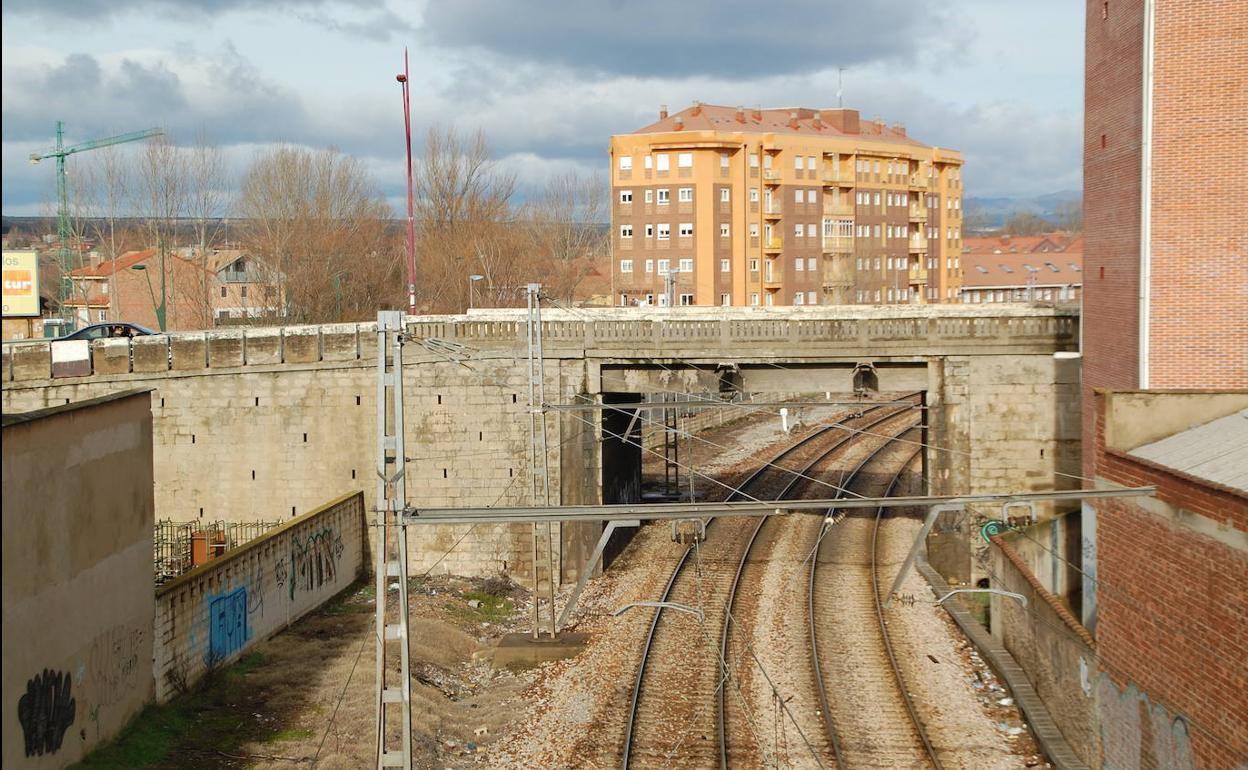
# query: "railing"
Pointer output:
{"type": "Point", "coordinates": [918, 274]}
{"type": "Point", "coordinates": [845, 209]}
{"type": "Point", "coordinates": [773, 210]}
{"type": "Point", "coordinates": [773, 244]}
{"type": "Point", "coordinates": [832, 175]}
{"type": "Point", "coordinates": [918, 181]}
{"type": "Point", "coordinates": [918, 214]}
{"type": "Point", "coordinates": [838, 244]}
{"type": "Point", "coordinates": [239, 276]}
{"type": "Point", "coordinates": [771, 175]}
{"type": "Point", "coordinates": [918, 244]}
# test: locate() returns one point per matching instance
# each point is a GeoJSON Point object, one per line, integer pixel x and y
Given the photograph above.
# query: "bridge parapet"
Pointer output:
{"type": "Point", "coordinates": [606, 334]}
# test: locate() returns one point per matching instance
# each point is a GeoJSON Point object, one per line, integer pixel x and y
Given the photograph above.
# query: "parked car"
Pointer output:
{"type": "Point", "coordinates": [107, 330]}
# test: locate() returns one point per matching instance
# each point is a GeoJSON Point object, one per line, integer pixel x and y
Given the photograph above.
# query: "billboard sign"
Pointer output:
{"type": "Point", "coordinates": [21, 284]}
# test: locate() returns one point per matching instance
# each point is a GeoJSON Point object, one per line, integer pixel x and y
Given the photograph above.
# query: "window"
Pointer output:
{"type": "Point", "coordinates": [725, 299]}
{"type": "Point", "coordinates": [810, 162]}
{"type": "Point", "coordinates": [799, 264]}
{"type": "Point", "coordinates": [665, 232]}
{"type": "Point", "coordinates": [626, 265]}
{"type": "Point", "coordinates": [877, 198]}
{"type": "Point", "coordinates": [877, 231]}
{"type": "Point", "coordinates": [686, 299]}
{"type": "Point", "coordinates": [662, 300]}
{"type": "Point", "coordinates": [753, 160]}
{"type": "Point", "coordinates": [767, 162]}
{"type": "Point", "coordinates": [665, 196]}
{"type": "Point", "coordinates": [626, 231]}
{"type": "Point", "coordinates": [649, 299]}
{"type": "Point", "coordinates": [799, 298]}
{"type": "Point", "coordinates": [753, 265]}
{"type": "Point", "coordinates": [890, 231]}
{"type": "Point", "coordinates": [877, 170]}
{"type": "Point", "coordinates": [724, 230]}
{"type": "Point", "coordinates": [102, 315]}
{"type": "Point", "coordinates": [797, 162]}
{"type": "Point", "coordinates": [626, 163]}
{"type": "Point", "coordinates": [649, 231]}
{"type": "Point", "coordinates": [725, 195]}
{"type": "Point", "coordinates": [798, 231]}
{"type": "Point", "coordinates": [753, 229]}
{"type": "Point", "coordinates": [222, 291]}
{"type": "Point", "coordinates": [649, 196]}
{"type": "Point", "coordinates": [770, 298]}
{"type": "Point", "coordinates": [754, 298]}
{"type": "Point", "coordinates": [799, 195]}
{"type": "Point", "coordinates": [725, 266]}
{"type": "Point", "coordinates": [663, 162]}
{"type": "Point", "coordinates": [810, 231]}
{"type": "Point", "coordinates": [686, 266]}
{"type": "Point", "coordinates": [665, 266]}
{"type": "Point", "coordinates": [723, 160]}
{"type": "Point", "coordinates": [242, 292]}
{"type": "Point", "coordinates": [810, 298]}
{"type": "Point", "coordinates": [626, 196]}
{"type": "Point", "coordinates": [649, 265]}
{"type": "Point", "coordinates": [649, 163]}
{"type": "Point", "coordinates": [685, 195]}
{"type": "Point", "coordinates": [753, 195]}
{"type": "Point", "coordinates": [684, 160]}
{"type": "Point", "coordinates": [810, 264]}
{"type": "Point", "coordinates": [686, 229]}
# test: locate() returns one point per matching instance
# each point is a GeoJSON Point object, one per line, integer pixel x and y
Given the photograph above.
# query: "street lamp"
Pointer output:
{"type": "Point", "coordinates": [160, 309]}
{"type": "Point", "coordinates": [472, 288]}
{"type": "Point", "coordinates": [403, 78]}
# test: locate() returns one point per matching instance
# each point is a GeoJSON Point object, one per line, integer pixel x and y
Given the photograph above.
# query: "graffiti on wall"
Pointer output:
{"type": "Point", "coordinates": [227, 629]}
{"type": "Point", "coordinates": [1136, 732]}
{"type": "Point", "coordinates": [113, 664]}
{"type": "Point", "coordinates": [46, 711]}
{"type": "Point", "coordinates": [255, 588]}
{"type": "Point", "coordinates": [314, 561]}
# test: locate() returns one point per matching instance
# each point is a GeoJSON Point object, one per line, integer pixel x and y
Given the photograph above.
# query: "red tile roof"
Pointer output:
{"type": "Point", "coordinates": [108, 267]}
{"type": "Point", "coordinates": [1056, 258]}
{"type": "Point", "coordinates": [781, 120]}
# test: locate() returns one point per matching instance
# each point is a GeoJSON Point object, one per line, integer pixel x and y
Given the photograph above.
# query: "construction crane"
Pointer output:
{"type": "Point", "coordinates": [61, 152]}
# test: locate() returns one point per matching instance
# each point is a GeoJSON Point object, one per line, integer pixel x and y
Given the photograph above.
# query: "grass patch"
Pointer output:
{"type": "Point", "coordinates": [493, 609]}
{"type": "Point", "coordinates": [292, 734]}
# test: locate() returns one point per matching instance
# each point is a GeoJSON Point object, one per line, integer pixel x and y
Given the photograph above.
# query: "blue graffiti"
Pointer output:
{"type": "Point", "coordinates": [227, 630]}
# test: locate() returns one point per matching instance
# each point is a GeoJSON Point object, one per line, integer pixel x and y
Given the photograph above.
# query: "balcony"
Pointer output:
{"type": "Point", "coordinates": [838, 244]}
{"type": "Point", "coordinates": [772, 211]}
{"type": "Point", "coordinates": [918, 275]}
{"type": "Point", "coordinates": [772, 244]}
{"type": "Point", "coordinates": [918, 182]}
{"type": "Point", "coordinates": [832, 176]}
{"type": "Point", "coordinates": [773, 279]}
{"type": "Point", "coordinates": [918, 214]}
{"type": "Point", "coordinates": [239, 276]}
{"type": "Point", "coordinates": [771, 176]}
{"type": "Point", "coordinates": [841, 209]}
{"type": "Point", "coordinates": [918, 244]}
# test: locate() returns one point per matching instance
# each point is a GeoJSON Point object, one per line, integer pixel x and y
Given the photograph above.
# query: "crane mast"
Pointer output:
{"type": "Point", "coordinates": [61, 152]}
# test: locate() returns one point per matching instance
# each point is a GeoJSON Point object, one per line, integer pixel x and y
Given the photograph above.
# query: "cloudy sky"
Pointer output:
{"type": "Point", "coordinates": [548, 82]}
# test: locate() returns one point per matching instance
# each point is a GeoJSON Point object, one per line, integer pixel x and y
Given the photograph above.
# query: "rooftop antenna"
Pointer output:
{"type": "Point", "coordinates": [840, 88]}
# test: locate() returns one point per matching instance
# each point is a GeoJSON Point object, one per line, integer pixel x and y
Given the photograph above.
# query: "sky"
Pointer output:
{"type": "Point", "coordinates": [547, 82]}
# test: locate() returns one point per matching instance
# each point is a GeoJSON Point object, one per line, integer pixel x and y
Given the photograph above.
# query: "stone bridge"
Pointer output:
{"type": "Point", "coordinates": [252, 423]}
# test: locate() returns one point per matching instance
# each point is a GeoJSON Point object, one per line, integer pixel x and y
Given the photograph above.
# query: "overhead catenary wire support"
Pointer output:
{"type": "Point", "coordinates": [392, 689]}
{"type": "Point", "coordinates": [544, 533]}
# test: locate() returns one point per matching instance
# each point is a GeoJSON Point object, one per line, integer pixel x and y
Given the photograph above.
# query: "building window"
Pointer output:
{"type": "Point", "coordinates": [665, 232]}
{"type": "Point", "coordinates": [724, 230]}
{"type": "Point", "coordinates": [725, 195]}
{"type": "Point", "coordinates": [102, 315]}
{"type": "Point", "coordinates": [626, 163]}
{"type": "Point", "coordinates": [753, 265]}
{"type": "Point", "coordinates": [649, 265]}
{"type": "Point", "coordinates": [725, 266]}
{"type": "Point", "coordinates": [663, 162]}
{"type": "Point", "coordinates": [798, 231]}
{"type": "Point", "coordinates": [767, 162]}
{"type": "Point", "coordinates": [810, 162]}
{"type": "Point", "coordinates": [799, 264]}
{"type": "Point", "coordinates": [649, 163]}
{"type": "Point", "coordinates": [811, 264]}
{"type": "Point", "coordinates": [626, 231]}
{"type": "Point", "coordinates": [242, 292]}
{"type": "Point", "coordinates": [754, 298]}
{"type": "Point", "coordinates": [797, 162]}
{"type": "Point", "coordinates": [684, 160]}
{"type": "Point", "coordinates": [649, 196]}
{"type": "Point", "coordinates": [649, 231]}
{"type": "Point", "coordinates": [626, 265]}
{"type": "Point", "coordinates": [665, 196]}
{"type": "Point", "coordinates": [769, 300]}
{"type": "Point", "coordinates": [723, 160]}
{"type": "Point", "coordinates": [665, 266]}
{"type": "Point", "coordinates": [222, 291]}
{"type": "Point", "coordinates": [662, 300]}
{"type": "Point", "coordinates": [725, 299]}
{"type": "Point", "coordinates": [686, 300]}
{"type": "Point", "coordinates": [686, 229]}
{"type": "Point", "coordinates": [799, 298]}
{"type": "Point", "coordinates": [799, 194]}
{"type": "Point", "coordinates": [685, 195]}
{"type": "Point", "coordinates": [753, 195]}
{"type": "Point", "coordinates": [753, 160]}
{"type": "Point", "coordinates": [811, 299]}
{"type": "Point", "coordinates": [686, 266]}
{"type": "Point", "coordinates": [626, 196]}
{"type": "Point", "coordinates": [753, 229]}
{"type": "Point", "coordinates": [810, 231]}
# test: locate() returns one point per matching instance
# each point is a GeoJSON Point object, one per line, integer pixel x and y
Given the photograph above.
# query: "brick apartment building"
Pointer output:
{"type": "Point", "coordinates": [1022, 268]}
{"type": "Point", "coordinates": [783, 207]}
{"type": "Point", "coordinates": [1160, 583]}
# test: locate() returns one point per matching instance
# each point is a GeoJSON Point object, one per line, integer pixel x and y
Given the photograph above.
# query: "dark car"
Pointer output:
{"type": "Point", "coordinates": [108, 330]}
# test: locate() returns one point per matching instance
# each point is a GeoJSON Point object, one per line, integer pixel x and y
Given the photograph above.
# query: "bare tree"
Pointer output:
{"type": "Point", "coordinates": [109, 179]}
{"type": "Point", "coordinates": [317, 227]}
{"type": "Point", "coordinates": [206, 201]}
{"type": "Point", "coordinates": [463, 204]}
{"type": "Point", "coordinates": [159, 196]}
{"type": "Point", "coordinates": [1026, 223]}
{"type": "Point", "coordinates": [1070, 216]}
{"type": "Point", "coordinates": [564, 224]}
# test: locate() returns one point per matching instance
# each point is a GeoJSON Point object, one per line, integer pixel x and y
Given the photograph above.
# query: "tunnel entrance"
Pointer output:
{"type": "Point", "coordinates": [621, 464]}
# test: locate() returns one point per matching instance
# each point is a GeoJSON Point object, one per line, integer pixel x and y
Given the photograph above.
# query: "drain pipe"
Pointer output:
{"type": "Point", "coordinates": [1146, 195]}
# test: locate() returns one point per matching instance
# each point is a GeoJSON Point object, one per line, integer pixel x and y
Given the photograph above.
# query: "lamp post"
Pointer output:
{"type": "Point", "coordinates": [160, 309]}
{"type": "Point", "coordinates": [402, 77]}
{"type": "Point", "coordinates": [472, 288]}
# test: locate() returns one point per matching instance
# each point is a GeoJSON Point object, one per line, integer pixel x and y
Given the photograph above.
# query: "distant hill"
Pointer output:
{"type": "Point", "coordinates": [991, 213]}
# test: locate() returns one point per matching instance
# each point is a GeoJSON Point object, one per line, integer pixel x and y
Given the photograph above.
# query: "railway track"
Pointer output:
{"type": "Point", "coordinates": [677, 715]}
{"type": "Point", "coordinates": [870, 717]}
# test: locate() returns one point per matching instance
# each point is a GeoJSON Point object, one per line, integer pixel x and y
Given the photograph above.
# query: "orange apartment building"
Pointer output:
{"type": "Point", "coordinates": [731, 206]}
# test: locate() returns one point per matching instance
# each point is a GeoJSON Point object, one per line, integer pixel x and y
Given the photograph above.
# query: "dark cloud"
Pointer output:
{"type": "Point", "coordinates": [362, 18]}
{"type": "Point", "coordinates": [727, 38]}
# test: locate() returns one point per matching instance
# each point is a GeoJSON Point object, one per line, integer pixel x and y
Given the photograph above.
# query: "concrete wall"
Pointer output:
{"type": "Point", "coordinates": [211, 615]}
{"type": "Point", "coordinates": [78, 608]}
{"type": "Point", "coordinates": [1057, 654]}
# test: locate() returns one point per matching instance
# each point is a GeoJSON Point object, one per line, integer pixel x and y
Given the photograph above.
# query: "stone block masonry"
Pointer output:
{"type": "Point", "coordinates": [213, 614]}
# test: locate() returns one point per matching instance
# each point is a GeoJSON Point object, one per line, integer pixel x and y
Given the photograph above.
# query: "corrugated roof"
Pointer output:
{"type": "Point", "coordinates": [1216, 451]}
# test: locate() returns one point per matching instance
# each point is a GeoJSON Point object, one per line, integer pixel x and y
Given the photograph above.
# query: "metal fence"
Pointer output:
{"type": "Point", "coordinates": [179, 546]}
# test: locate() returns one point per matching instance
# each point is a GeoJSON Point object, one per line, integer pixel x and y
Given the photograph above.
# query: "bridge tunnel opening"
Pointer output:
{"type": "Point", "coordinates": [621, 463]}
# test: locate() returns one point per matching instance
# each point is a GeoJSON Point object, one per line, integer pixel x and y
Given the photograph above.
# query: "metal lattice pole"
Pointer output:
{"type": "Point", "coordinates": [393, 688]}
{"type": "Point", "coordinates": [538, 462]}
